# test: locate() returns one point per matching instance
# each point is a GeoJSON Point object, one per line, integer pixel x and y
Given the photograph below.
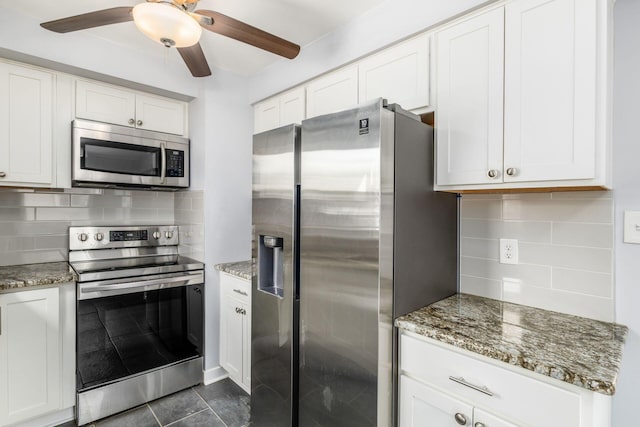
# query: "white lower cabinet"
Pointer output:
{"type": "Point", "coordinates": [441, 385]}
{"type": "Point", "coordinates": [235, 329]}
{"type": "Point", "coordinates": [424, 406]}
{"type": "Point", "coordinates": [37, 353]}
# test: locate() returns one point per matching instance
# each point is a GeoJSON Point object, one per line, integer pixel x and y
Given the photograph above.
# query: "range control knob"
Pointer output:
{"type": "Point", "coordinates": [99, 237]}
{"type": "Point", "coordinates": [83, 237]}
{"type": "Point", "coordinates": [168, 234]}
{"type": "Point", "coordinates": [156, 235]}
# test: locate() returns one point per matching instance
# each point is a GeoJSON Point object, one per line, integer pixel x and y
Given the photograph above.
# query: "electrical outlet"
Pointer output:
{"type": "Point", "coordinates": [508, 251]}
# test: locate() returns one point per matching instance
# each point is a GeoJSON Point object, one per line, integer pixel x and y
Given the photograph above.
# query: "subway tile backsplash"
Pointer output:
{"type": "Point", "coordinates": [565, 250]}
{"type": "Point", "coordinates": [189, 215]}
{"type": "Point", "coordinates": [34, 223]}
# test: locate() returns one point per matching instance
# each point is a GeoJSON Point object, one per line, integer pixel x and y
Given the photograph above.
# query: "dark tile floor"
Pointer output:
{"type": "Point", "coordinates": [217, 405]}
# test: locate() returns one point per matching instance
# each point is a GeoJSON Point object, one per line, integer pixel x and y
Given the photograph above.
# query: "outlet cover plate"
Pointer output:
{"type": "Point", "coordinates": [508, 251]}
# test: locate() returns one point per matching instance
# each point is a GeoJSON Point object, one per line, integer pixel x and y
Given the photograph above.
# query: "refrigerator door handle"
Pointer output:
{"type": "Point", "coordinates": [296, 245]}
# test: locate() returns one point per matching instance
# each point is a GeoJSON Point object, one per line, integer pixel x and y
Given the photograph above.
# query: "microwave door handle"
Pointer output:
{"type": "Point", "coordinates": [163, 163]}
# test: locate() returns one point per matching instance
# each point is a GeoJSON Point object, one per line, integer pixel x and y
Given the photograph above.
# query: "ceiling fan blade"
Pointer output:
{"type": "Point", "coordinates": [195, 60]}
{"type": "Point", "coordinates": [114, 15]}
{"type": "Point", "coordinates": [245, 33]}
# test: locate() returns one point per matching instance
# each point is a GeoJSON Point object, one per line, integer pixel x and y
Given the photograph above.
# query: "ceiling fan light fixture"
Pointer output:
{"type": "Point", "coordinates": [166, 24]}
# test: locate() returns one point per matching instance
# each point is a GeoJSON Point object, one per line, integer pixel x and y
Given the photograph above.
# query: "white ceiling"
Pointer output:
{"type": "Point", "coordinates": [299, 21]}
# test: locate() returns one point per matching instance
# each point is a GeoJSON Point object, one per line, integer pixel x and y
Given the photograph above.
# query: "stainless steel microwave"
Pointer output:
{"type": "Point", "coordinates": [109, 156]}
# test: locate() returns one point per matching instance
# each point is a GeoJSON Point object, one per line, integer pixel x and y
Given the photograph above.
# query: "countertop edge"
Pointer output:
{"type": "Point", "coordinates": [32, 276]}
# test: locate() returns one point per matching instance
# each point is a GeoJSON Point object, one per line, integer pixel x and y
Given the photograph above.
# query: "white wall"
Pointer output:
{"type": "Point", "coordinates": [626, 181]}
{"type": "Point", "coordinates": [228, 123]}
{"type": "Point", "coordinates": [391, 21]}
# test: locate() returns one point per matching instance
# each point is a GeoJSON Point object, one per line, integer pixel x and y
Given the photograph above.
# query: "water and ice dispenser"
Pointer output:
{"type": "Point", "coordinates": [271, 265]}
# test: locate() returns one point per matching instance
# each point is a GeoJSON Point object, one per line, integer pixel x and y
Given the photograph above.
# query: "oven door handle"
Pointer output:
{"type": "Point", "coordinates": [90, 291]}
{"type": "Point", "coordinates": [163, 163]}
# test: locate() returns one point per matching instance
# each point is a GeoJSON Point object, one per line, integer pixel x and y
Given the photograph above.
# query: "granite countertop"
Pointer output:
{"type": "Point", "coordinates": [30, 275]}
{"type": "Point", "coordinates": [240, 269]}
{"type": "Point", "coordinates": [576, 350]}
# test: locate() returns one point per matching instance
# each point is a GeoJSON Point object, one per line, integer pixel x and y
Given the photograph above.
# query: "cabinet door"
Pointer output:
{"type": "Point", "coordinates": [485, 419]}
{"type": "Point", "coordinates": [231, 336]}
{"type": "Point", "coordinates": [421, 406]}
{"type": "Point", "coordinates": [105, 104]}
{"type": "Point", "coordinates": [334, 92]}
{"type": "Point", "coordinates": [29, 354]}
{"type": "Point", "coordinates": [550, 89]}
{"type": "Point", "coordinates": [469, 101]}
{"type": "Point", "coordinates": [161, 114]}
{"type": "Point", "coordinates": [266, 115]}
{"type": "Point", "coordinates": [400, 74]}
{"type": "Point", "coordinates": [292, 107]}
{"type": "Point", "coordinates": [26, 126]}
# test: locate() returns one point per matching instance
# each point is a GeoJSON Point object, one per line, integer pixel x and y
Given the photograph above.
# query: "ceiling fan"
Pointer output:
{"type": "Point", "coordinates": [174, 23]}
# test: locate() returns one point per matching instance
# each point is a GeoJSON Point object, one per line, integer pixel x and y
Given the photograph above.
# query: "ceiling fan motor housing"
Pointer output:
{"type": "Point", "coordinates": [167, 24]}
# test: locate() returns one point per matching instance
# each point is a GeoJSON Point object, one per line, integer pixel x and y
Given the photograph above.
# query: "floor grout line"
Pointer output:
{"type": "Point", "coordinates": [154, 414]}
{"type": "Point", "coordinates": [209, 406]}
{"type": "Point", "coordinates": [188, 416]}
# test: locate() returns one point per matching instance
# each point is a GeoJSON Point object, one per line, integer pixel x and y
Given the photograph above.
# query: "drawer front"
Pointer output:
{"type": "Point", "coordinates": [236, 287]}
{"type": "Point", "coordinates": [515, 396]}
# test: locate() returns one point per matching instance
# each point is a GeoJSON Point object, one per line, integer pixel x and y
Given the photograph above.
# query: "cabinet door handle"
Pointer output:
{"type": "Point", "coordinates": [479, 424]}
{"type": "Point", "coordinates": [512, 171]}
{"type": "Point", "coordinates": [3, 174]}
{"type": "Point", "coordinates": [238, 291]}
{"type": "Point", "coordinates": [139, 122]}
{"type": "Point", "coordinates": [131, 121]}
{"type": "Point", "coordinates": [460, 419]}
{"type": "Point", "coordinates": [237, 310]}
{"type": "Point", "coordinates": [464, 382]}
{"type": "Point", "coordinates": [492, 173]}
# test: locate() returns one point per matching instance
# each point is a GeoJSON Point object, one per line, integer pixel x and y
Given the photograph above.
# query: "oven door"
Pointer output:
{"type": "Point", "coordinates": [125, 328]}
{"type": "Point", "coordinates": [103, 158]}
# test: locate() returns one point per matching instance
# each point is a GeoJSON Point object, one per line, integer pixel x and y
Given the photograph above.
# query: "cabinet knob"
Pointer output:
{"type": "Point", "coordinates": [139, 122]}
{"type": "Point", "coordinates": [512, 171]}
{"type": "Point", "coordinates": [237, 310]}
{"type": "Point", "coordinates": [492, 173]}
{"type": "Point", "coordinates": [131, 121]}
{"type": "Point", "coordinates": [479, 424]}
{"type": "Point", "coordinates": [460, 419]}
{"type": "Point", "coordinates": [3, 174]}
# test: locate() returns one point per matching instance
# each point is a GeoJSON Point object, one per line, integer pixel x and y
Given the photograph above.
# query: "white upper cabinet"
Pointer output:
{"type": "Point", "coordinates": [333, 92]}
{"type": "Point", "coordinates": [550, 90]}
{"type": "Point", "coordinates": [26, 126]}
{"type": "Point", "coordinates": [400, 74]}
{"type": "Point", "coordinates": [109, 104]}
{"type": "Point", "coordinates": [469, 106]}
{"type": "Point", "coordinates": [553, 129]}
{"type": "Point", "coordinates": [280, 110]}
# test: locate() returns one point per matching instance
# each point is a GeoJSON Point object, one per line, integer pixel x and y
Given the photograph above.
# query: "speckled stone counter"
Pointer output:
{"type": "Point", "coordinates": [580, 351]}
{"type": "Point", "coordinates": [30, 275]}
{"type": "Point", "coordinates": [241, 269]}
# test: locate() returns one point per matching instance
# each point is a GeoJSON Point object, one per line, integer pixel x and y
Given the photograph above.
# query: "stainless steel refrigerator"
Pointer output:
{"type": "Point", "coordinates": [348, 235]}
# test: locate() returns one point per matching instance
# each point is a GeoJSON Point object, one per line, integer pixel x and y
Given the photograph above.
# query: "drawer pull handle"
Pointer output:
{"type": "Point", "coordinates": [238, 291]}
{"type": "Point", "coordinates": [462, 381]}
{"type": "Point", "coordinates": [460, 419]}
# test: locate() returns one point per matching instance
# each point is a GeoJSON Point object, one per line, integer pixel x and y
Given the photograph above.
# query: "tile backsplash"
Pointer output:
{"type": "Point", "coordinates": [34, 223]}
{"type": "Point", "coordinates": [565, 245]}
{"type": "Point", "coordinates": [189, 215]}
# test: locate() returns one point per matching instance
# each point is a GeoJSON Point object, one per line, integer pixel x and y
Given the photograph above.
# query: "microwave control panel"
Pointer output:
{"type": "Point", "coordinates": [175, 164]}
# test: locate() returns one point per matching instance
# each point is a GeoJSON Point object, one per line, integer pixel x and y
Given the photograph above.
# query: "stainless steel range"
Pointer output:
{"type": "Point", "coordinates": [139, 317]}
